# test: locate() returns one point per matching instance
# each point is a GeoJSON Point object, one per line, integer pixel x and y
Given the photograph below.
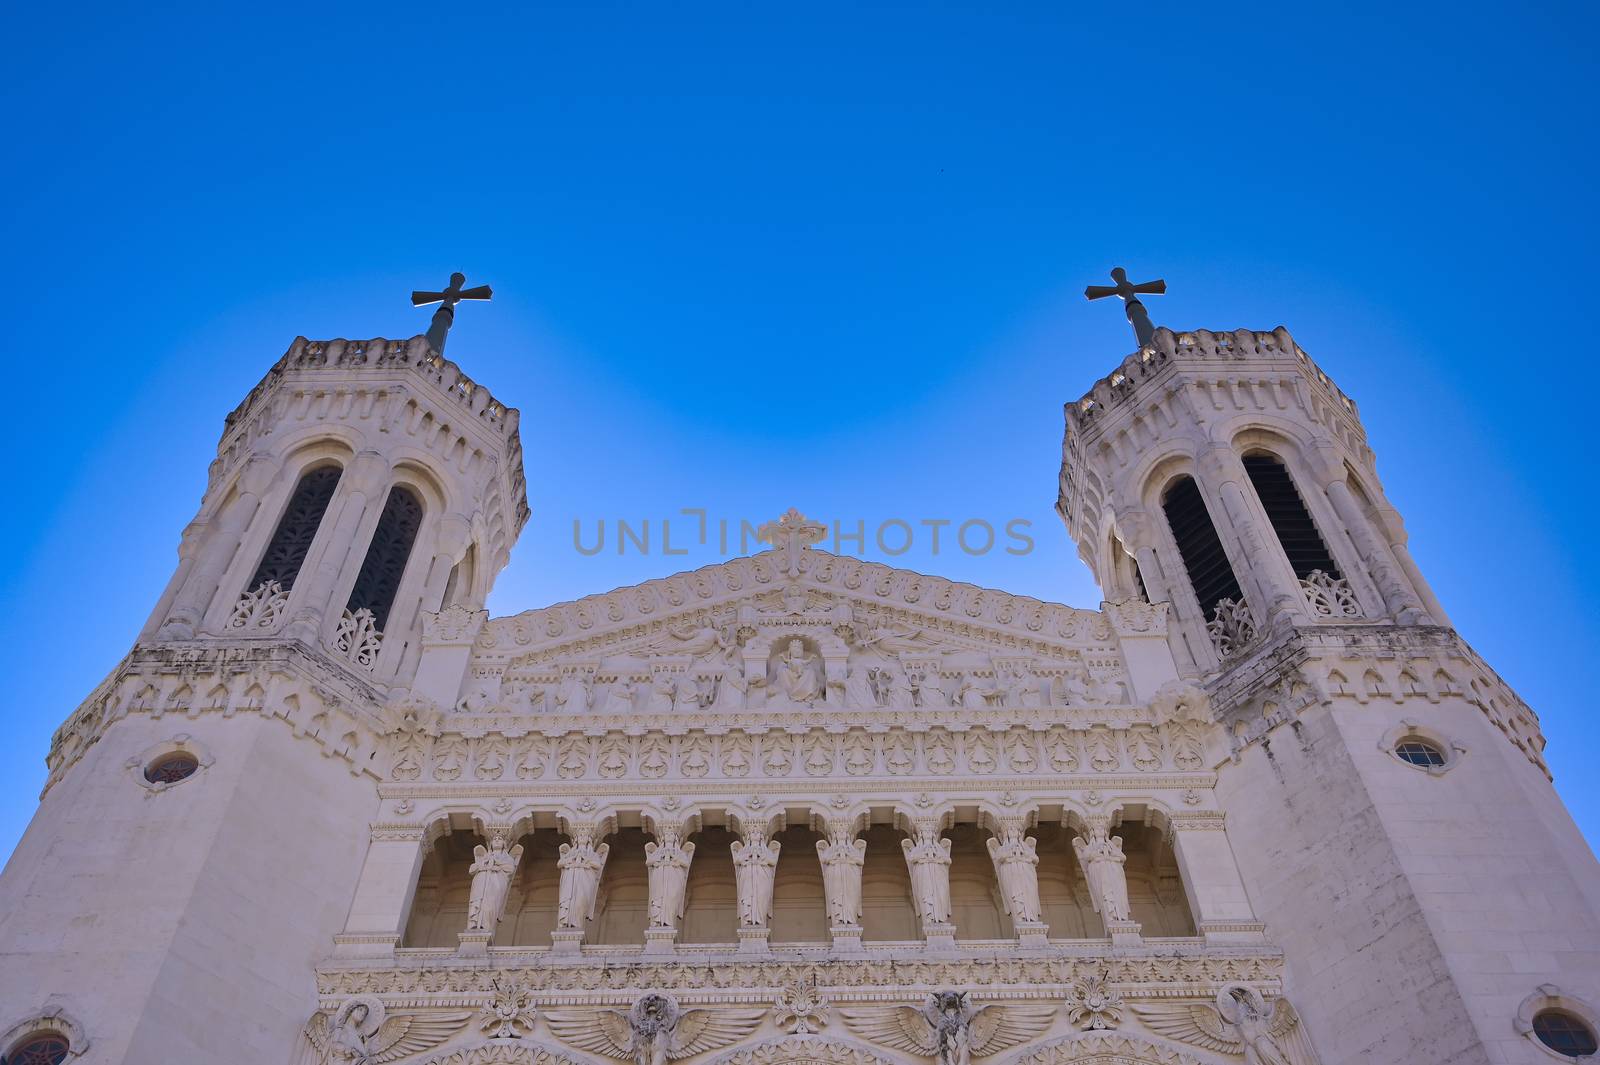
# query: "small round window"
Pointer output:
{"type": "Point", "coordinates": [1419, 752]}
{"type": "Point", "coordinates": [46, 1049]}
{"type": "Point", "coordinates": [1564, 1033]}
{"type": "Point", "coordinates": [171, 768]}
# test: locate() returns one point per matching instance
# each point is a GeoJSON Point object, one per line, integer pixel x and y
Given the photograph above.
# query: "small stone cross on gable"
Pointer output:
{"type": "Point", "coordinates": [789, 535]}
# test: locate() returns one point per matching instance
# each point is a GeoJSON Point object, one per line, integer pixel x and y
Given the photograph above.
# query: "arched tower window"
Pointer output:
{"type": "Point", "coordinates": [291, 540]}
{"type": "Point", "coordinates": [1210, 573]}
{"type": "Point", "coordinates": [379, 579]}
{"type": "Point", "coordinates": [1290, 519]}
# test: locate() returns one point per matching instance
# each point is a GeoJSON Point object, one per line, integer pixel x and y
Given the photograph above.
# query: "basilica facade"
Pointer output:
{"type": "Point", "coordinates": [1264, 805]}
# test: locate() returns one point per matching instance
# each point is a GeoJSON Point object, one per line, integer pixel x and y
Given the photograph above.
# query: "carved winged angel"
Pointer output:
{"type": "Point", "coordinates": [1239, 1023]}
{"type": "Point", "coordinates": [654, 1031]}
{"type": "Point", "coordinates": [949, 1027]}
{"type": "Point", "coordinates": [359, 1034]}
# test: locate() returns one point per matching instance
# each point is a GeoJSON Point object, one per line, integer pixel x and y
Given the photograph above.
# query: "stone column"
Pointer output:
{"type": "Point", "coordinates": [1141, 630]}
{"type": "Point", "coordinates": [1100, 854]}
{"type": "Point", "coordinates": [210, 554]}
{"type": "Point", "coordinates": [1268, 580]}
{"type": "Point", "coordinates": [384, 891]}
{"type": "Point", "coordinates": [581, 863]}
{"type": "Point", "coordinates": [928, 858]}
{"type": "Point", "coordinates": [842, 856]}
{"type": "Point", "coordinates": [452, 535]}
{"type": "Point", "coordinates": [447, 639]}
{"type": "Point", "coordinates": [755, 867]}
{"type": "Point", "coordinates": [1016, 867]}
{"type": "Point", "coordinates": [668, 864]}
{"type": "Point", "coordinates": [1211, 880]}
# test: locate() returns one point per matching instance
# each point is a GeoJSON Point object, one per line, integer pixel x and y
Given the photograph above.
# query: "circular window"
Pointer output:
{"type": "Point", "coordinates": [171, 768]}
{"type": "Point", "coordinates": [46, 1049]}
{"type": "Point", "coordinates": [1564, 1033]}
{"type": "Point", "coordinates": [1419, 752]}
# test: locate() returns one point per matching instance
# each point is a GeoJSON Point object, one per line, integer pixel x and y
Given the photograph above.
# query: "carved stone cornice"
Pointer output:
{"type": "Point", "coordinates": [420, 979]}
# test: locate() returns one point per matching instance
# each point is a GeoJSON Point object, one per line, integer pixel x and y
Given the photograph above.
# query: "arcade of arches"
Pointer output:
{"type": "Point", "coordinates": [799, 915]}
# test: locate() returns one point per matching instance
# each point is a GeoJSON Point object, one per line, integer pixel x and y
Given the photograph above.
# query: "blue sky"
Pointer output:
{"type": "Point", "coordinates": [828, 256]}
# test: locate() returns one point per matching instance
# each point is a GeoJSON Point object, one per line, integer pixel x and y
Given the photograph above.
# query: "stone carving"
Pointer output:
{"type": "Point", "coordinates": [261, 609]}
{"type": "Point", "coordinates": [842, 856]}
{"type": "Point", "coordinates": [581, 864]}
{"type": "Point", "coordinates": [668, 864]}
{"type": "Point", "coordinates": [801, 1010]}
{"type": "Point", "coordinates": [359, 1033]}
{"type": "Point", "coordinates": [654, 1031]}
{"type": "Point", "coordinates": [1092, 1005]}
{"type": "Point", "coordinates": [509, 1013]}
{"type": "Point", "coordinates": [1232, 628]}
{"type": "Point", "coordinates": [1015, 864]}
{"type": "Point", "coordinates": [794, 677]}
{"type": "Point", "coordinates": [755, 867]}
{"type": "Point", "coordinates": [574, 692]}
{"type": "Point", "coordinates": [1239, 1023]}
{"type": "Point", "coordinates": [948, 1027]}
{"type": "Point", "coordinates": [452, 624]}
{"type": "Point", "coordinates": [928, 858]}
{"type": "Point", "coordinates": [1102, 860]}
{"type": "Point", "coordinates": [1329, 596]}
{"type": "Point", "coordinates": [357, 638]}
{"type": "Point", "coordinates": [491, 869]}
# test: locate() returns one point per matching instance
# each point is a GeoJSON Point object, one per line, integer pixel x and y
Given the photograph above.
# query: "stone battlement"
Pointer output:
{"type": "Point", "coordinates": [381, 353]}
{"type": "Point", "coordinates": [1199, 346]}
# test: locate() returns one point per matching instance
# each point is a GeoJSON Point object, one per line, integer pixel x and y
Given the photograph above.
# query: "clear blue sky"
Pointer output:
{"type": "Point", "coordinates": [828, 256]}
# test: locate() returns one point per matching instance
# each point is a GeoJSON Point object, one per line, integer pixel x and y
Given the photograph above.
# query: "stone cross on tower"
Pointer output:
{"type": "Point", "coordinates": [445, 316]}
{"type": "Point", "coordinates": [789, 535]}
{"type": "Point", "coordinates": [1143, 331]}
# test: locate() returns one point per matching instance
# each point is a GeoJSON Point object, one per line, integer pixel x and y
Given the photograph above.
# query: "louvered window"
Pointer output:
{"type": "Point", "coordinates": [1210, 574]}
{"type": "Point", "coordinates": [296, 529]}
{"type": "Point", "coordinates": [1289, 517]}
{"type": "Point", "coordinates": [379, 579]}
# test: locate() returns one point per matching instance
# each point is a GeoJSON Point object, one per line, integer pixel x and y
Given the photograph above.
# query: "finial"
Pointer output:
{"type": "Point", "coordinates": [1143, 331]}
{"type": "Point", "coordinates": [445, 316]}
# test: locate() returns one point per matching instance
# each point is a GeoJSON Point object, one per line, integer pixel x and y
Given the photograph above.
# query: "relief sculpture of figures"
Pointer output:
{"type": "Point", "coordinates": [842, 857]}
{"type": "Point", "coordinates": [731, 685]}
{"type": "Point", "coordinates": [656, 1030]}
{"type": "Point", "coordinates": [360, 1033]}
{"type": "Point", "coordinates": [572, 697]}
{"type": "Point", "coordinates": [1015, 864]}
{"type": "Point", "coordinates": [491, 870]}
{"type": "Point", "coordinates": [795, 678]}
{"type": "Point", "coordinates": [1239, 1023]}
{"type": "Point", "coordinates": [668, 865]}
{"type": "Point", "coordinates": [581, 864]}
{"type": "Point", "coordinates": [928, 856]}
{"type": "Point", "coordinates": [948, 1027]}
{"type": "Point", "coordinates": [1102, 860]}
{"type": "Point", "coordinates": [755, 867]}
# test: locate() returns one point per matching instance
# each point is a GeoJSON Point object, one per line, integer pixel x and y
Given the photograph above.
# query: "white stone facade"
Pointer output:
{"type": "Point", "coordinates": [798, 807]}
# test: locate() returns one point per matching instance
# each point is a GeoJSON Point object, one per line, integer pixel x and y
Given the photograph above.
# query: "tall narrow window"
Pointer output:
{"type": "Point", "coordinates": [1289, 517]}
{"type": "Point", "coordinates": [1210, 574]}
{"type": "Point", "coordinates": [286, 553]}
{"type": "Point", "coordinates": [379, 579]}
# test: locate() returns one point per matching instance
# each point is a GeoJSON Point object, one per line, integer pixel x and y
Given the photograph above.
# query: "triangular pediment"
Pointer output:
{"type": "Point", "coordinates": [795, 627]}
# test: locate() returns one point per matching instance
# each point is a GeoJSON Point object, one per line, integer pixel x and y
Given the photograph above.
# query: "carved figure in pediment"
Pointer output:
{"type": "Point", "coordinates": [896, 688]}
{"type": "Point", "coordinates": [1019, 688]}
{"type": "Point", "coordinates": [729, 691]}
{"type": "Point", "coordinates": [859, 689]}
{"type": "Point", "coordinates": [662, 692]}
{"type": "Point", "coordinates": [890, 639]}
{"type": "Point", "coordinates": [692, 694]}
{"type": "Point", "coordinates": [574, 692]}
{"type": "Point", "coordinates": [928, 689]}
{"type": "Point", "coordinates": [690, 640]}
{"type": "Point", "coordinates": [794, 677]}
{"type": "Point", "coordinates": [620, 695]}
{"type": "Point", "coordinates": [974, 693]}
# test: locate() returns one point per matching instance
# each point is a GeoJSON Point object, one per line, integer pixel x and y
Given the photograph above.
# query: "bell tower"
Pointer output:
{"type": "Point", "coordinates": [1386, 796]}
{"type": "Point", "coordinates": [210, 801]}
{"type": "Point", "coordinates": [358, 486]}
